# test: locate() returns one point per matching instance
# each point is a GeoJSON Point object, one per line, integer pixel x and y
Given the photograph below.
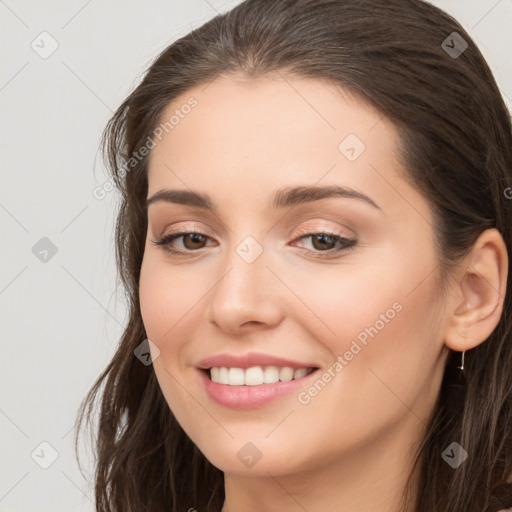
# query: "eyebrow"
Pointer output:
{"type": "Point", "coordinates": [282, 198]}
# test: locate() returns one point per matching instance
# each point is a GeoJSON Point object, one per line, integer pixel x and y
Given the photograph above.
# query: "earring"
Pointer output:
{"type": "Point", "coordinates": [466, 307]}
{"type": "Point", "coordinates": [461, 367]}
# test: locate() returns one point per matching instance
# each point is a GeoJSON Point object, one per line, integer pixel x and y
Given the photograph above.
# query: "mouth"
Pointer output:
{"type": "Point", "coordinates": [256, 375]}
{"type": "Point", "coordinates": [255, 386]}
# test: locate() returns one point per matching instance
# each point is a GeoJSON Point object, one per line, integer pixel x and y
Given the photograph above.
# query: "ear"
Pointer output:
{"type": "Point", "coordinates": [478, 294]}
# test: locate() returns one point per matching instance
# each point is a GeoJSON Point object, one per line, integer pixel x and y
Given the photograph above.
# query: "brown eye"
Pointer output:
{"type": "Point", "coordinates": [323, 242]}
{"type": "Point", "coordinates": [327, 244]}
{"type": "Point", "coordinates": [190, 241]}
{"type": "Point", "coordinates": [195, 240]}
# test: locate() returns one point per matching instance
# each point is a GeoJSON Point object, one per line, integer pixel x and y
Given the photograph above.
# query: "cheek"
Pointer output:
{"type": "Point", "coordinates": [167, 298]}
{"type": "Point", "coordinates": [389, 371]}
{"type": "Point", "coordinates": [344, 303]}
{"type": "Point", "coordinates": [383, 320]}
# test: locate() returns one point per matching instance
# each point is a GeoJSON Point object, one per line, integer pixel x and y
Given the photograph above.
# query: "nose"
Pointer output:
{"type": "Point", "coordinates": [247, 296]}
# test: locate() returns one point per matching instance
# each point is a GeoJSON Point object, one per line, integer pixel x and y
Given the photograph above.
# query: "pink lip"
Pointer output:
{"type": "Point", "coordinates": [246, 397]}
{"type": "Point", "coordinates": [248, 360]}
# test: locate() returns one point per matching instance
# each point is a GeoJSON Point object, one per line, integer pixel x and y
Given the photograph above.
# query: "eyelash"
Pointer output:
{"type": "Point", "coordinates": [347, 244]}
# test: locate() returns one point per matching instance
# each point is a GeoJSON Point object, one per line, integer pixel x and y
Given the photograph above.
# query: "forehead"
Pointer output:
{"type": "Point", "coordinates": [237, 114]}
{"type": "Point", "coordinates": [273, 131]}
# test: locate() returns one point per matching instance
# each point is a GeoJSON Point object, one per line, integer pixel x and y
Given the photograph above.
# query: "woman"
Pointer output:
{"type": "Point", "coordinates": [314, 237]}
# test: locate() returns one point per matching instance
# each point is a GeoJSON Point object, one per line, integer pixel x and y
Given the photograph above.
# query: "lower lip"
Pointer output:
{"type": "Point", "coordinates": [245, 397]}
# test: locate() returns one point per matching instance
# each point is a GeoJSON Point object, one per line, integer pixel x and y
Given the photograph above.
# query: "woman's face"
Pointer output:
{"type": "Point", "coordinates": [285, 276]}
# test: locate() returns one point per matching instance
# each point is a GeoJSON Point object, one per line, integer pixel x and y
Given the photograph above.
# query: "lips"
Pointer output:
{"type": "Point", "coordinates": [252, 380]}
{"type": "Point", "coordinates": [251, 359]}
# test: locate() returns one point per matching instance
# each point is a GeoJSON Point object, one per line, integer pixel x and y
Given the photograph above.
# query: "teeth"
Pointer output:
{"type": "Point", "coordinates": [271, 375]}
{"type": "Point", "coordinates": [256, 375]}
{"type": "Point", "coordinates": [286, 374]}
{"type": "Point", "coordinates": [236, 377]}
{"type": "Point", "coordinates": [223, 376]}
{"type": "Point", "coordinates": [302, 372]}
{"type": "Point", "coordinates": [253, 376]}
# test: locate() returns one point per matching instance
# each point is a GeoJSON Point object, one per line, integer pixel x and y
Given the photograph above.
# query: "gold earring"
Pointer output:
{"type": "Point", "coordinates": [461, 367]}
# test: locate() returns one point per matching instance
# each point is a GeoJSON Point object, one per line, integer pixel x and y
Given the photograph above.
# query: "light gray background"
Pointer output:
{"type": "Point", "coordinates": [61, 320]}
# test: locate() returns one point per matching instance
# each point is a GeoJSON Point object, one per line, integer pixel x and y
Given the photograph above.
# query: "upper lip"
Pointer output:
{"type": "Point", "coordinates": [248, 360]}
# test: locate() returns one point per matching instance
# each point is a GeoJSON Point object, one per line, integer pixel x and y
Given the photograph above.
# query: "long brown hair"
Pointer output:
{"type": "Point", "coordinates": [456, 140]}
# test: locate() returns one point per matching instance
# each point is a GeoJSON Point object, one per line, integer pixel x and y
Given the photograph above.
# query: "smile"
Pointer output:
{"type": "Point", "coordinates": [250, 380]}
{"type": "Point", "coordinates": [256, 375]}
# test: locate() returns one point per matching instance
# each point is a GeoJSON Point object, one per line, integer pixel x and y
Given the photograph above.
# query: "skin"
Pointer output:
{"type": "Point", "coordinates": [354, 441]}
